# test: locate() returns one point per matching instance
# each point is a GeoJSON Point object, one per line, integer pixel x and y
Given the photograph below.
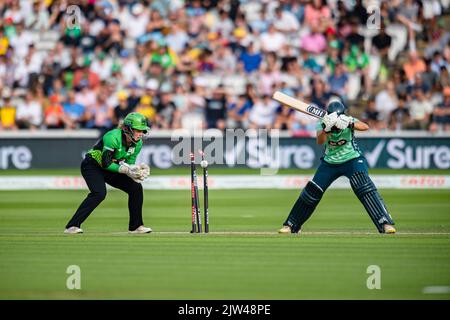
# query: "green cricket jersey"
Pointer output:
{"type": "Point", "coordinates": [111, 149]}
{"type": "Point", "coordinates": [340, 147]}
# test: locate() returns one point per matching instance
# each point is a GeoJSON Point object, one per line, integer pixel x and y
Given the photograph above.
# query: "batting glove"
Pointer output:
{"type": "Point", "coordinates": [343, 122]}
{"type": "Point", "coordinates": [328, 121]}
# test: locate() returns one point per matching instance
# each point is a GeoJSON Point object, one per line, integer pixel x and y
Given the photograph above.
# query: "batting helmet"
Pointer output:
{"type": "Point", "coordinates": [336, 106]}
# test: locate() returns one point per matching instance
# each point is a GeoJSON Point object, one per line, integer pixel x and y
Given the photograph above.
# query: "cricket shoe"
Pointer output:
{"type": "Point", "coordinates": [286, 230]}
{"type": "Point", "coordinates": [389, 229]}
{"type": "Point", "coordinates": [141, 229]}
{"type": "Point", "coordinates": [73, 230]}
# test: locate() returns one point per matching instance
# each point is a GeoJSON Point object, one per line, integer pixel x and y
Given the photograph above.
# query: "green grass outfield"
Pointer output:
{"type": "Point", "coordinates": [243, 257]}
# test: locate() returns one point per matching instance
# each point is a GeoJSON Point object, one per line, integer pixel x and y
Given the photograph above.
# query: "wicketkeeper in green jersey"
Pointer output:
{"type": "Point", "coordinates": [342, 158]}
{"type": "Point", "coordinates": [112, 161]}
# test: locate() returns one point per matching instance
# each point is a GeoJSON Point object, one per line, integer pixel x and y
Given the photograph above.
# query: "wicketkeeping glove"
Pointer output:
{"type": "Point", "coordinates": [133, 171]}
{"type": "Point", "coordinates": [343, 122]}
{"type": "Point", "coordinates": [328, 121]}
{"type": "Point", "coordinates": [145, 170]}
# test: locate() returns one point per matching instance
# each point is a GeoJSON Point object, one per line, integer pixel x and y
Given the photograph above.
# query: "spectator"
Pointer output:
{"type": "Point", "coordinates": [177, 38]}
{"type": "Point", "coordinates": [237, 112]}
{"type": "Point", "coordinates": [88, 41]}
{"type": "Point", "coordinates": [151, 92]}
{"type": "Point", "coordinates": [261, 23]}
{"type": "Point", "coordinates": [444, 78]}
{"type": "Point", "coordinates": [54, 117]}
{"type": "Point", "coordinates": [302, 125]}
{"type": "Point", "coordinates": [156, 24]}
{"type": "Point", "coordinates": [130, 70]}
{"type": "Point", "coordinates": [102, 66]}
{"type": "Point", "coordinates": [357, 61]}
{"type": "Point", "coordinates": [4, 42]}
{"type": "Point", "coordinates": [381, 44]}
{"type": "Point", "coordinates": [7, 112]}
{"type": "Point", "coordinates": [21, 41]}
{"type": "Point", "coordinates": [165, 110]}
{"type": "Point", "coordinates": [408, 13]}
{"type": "Point", "coordinates": [250, 58]}
{"type": "Point", "coordinates": [421, 109]}
{"type": "Point", "coordinates": [164, 57]}
{"type": "Point", "coordinates": [285, 21]}
{"type": "Point", "coordinates": [133, 95]}
{"type": "Point", "coordinates": [418, 82]}
{"type": "Point", "coordinates": [139, 18]}
{"type": "Point", "coordinates": [413, 66]}
{"type": "Point", "coordinates": [85, 96]}
{"type": "Point", "coordinates": [334, 57]}
{"type": "Point", "coordinates": [386, 101]}
{"type": "Point", "coordinates": [38, 17]}
{"type": "Point", "coordinates": [194, 118]}
{"type": "Point", "coordinates": [224, 60]}
{"type": "Point", "coordinates": [224, 25]}
{"type": "Point", "coordinates": [146, 108]}
{"type": "Point", "coordinates": [85, 74]}
{"type": "Point", "coordinates": [284, 117]}
{"type": "Point", "coordinates": [14, 12]}
{"type": "Point", "coordinates": [122, 109]}
{"type": "Point", "coordinates": [399, 117]}
{"type": "Point", "coordinates": [360, 12]}
{"type": "Point", "coordinates": [74, 111]}
{"type": "Point", "coordinates": [216, 108]}
{"type": "Point", "coordinates": [371, 116]}
{"type": "Point", "coordinates": [441, 114]}
{"type": "Point", "coordinates": [262, 115]}
{"type": "Point", "coordinates": [339, 82]}
{"type": "Point", "coordinates": [272, 40]}
{"type": "Point", "coordinates": [318, 15]}
{"type": "Point", "coordinates": [267, 79]}
{"type": "Point", "coordinates": [29, 112]}
{"type": "Point", "coordinates": [400, 82]}
{"type": "Point", "coordinates": [154, 71]}
{"type": "Point", "coordinates": [206, 62]}
{"type": "Point", "coordinates": [438, 62]}
{"type": "Point", "coordinates": [319, 93]}
{"type": "Point", "coordinates": [314, 42]}
{"type": "Point", "coordinates": [428, 78]}
{"type": "Point", "coordinates": [196, 14]}
{"type": "Point", "coordinates": [98, 115]}
{"type": "Point", "coordinates": [310, 63]}
{"type": "Point", "coordinates": [354, 38]}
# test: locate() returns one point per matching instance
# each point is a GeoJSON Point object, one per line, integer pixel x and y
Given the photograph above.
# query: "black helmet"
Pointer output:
{"type": "Point", "coordinates": [336, 106]}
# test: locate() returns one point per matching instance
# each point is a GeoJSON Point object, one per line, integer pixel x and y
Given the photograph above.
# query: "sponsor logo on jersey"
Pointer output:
{"type": "Point", "coordinates": [130, 150]}
{"type": "Point", "coordinates": [337, 143]}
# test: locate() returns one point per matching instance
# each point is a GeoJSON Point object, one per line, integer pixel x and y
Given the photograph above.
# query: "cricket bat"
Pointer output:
{"type": "Point", "coordinates": [309, 109]}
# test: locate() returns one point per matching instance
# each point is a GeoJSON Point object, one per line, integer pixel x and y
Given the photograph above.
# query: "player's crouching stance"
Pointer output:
{"type": "Point", "coordinates": [342, 157]}
{"type": "Point", "coordinates": [112, 161]}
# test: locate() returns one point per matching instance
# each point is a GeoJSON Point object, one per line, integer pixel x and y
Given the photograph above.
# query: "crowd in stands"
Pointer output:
{"type": "Point", "coordinates": [215, 63]}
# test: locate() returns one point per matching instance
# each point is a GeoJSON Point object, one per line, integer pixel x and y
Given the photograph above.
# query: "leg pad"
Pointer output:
{"type": "Point", "coordinates": [304, 206]}
{"type": "Point", "coordinates": [371, 199]}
